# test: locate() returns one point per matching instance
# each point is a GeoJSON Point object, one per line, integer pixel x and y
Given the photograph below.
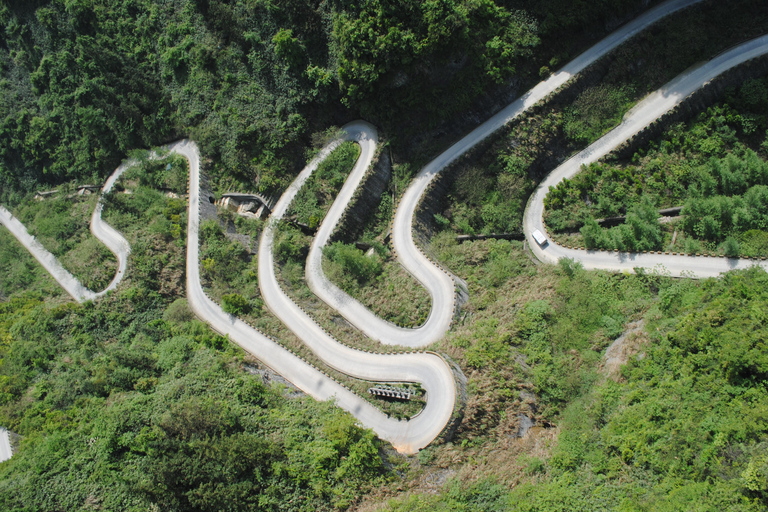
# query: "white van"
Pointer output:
{"type": "Point", "coordinates": [539, 237]}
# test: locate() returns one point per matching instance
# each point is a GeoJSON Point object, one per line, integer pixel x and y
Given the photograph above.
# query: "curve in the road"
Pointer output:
{"type": "Point", "coordinates": [428, 369]}
{"type": "Point", "coordinates": [114, 241]}
{"type": "Point", "coordinates": [647, 111]}
{"type": "Point", "coordinates": [438, 282]}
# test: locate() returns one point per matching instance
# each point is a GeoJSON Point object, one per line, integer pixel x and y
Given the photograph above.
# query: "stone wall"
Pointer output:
{"type": "Point", "coordinates": [366, 198]}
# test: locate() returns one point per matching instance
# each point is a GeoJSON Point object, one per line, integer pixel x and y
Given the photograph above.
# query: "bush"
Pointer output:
{"type": "Point", "coordinates": [235, 304]}
{"type": "Point", "coordinates": [354, 262]}
{"type": "Point", "coordinates": [594, 111]}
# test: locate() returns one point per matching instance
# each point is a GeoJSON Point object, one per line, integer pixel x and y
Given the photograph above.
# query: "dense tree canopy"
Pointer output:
{"type": "Point", "coordinates": [85, 82]}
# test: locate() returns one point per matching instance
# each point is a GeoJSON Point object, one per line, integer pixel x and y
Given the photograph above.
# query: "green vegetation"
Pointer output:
{"type": "Point", "coordinates": [228, 269]}
{"type": "Point", "coordinates": [61, 224]}
{"type": "Point", "coordinates": [129, 403]}
{"type": "Point", "coordinates": [489, 188]}
{"type": "Point", "coordinates": [713, 166]}
{"type": "Point", "coordinates": [685, 423]}
{"type": "Point", "coordinates": [19, 270]}
{"type": "Point", "coordinates": [314, 199]}
{"type": "Point", "coordinates": [595, 111]}
{"type": "Point", "coordinates": [378, 281]}
{"type": "Point", "coordinates": [132, 411]}
{"type": "Point", "coordinates": [165, 172]}
{"type": "Point", "coordinates": [248, 79]}
{"type": "Point", "coordinates": [351, 265]}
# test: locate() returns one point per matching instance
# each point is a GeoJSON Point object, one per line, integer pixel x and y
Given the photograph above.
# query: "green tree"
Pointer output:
{"type": "Point", "coordinates": [235, 304]}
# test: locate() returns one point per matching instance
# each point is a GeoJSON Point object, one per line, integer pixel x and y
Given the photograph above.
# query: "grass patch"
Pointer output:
{"type": "Point", "coordinates": [316, 196]}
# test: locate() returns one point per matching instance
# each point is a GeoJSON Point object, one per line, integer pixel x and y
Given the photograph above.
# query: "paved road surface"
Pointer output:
{"type": "Point", "coordinates": [653, 107]}
{"type": "Point", "coordinates": [5, 445]}
{"type": "Point", "coordinates": [430, 370]}
{"type": "Point", "coordinates": [100, 229]}
{"type": "Point", "coordinates": [438, 283]}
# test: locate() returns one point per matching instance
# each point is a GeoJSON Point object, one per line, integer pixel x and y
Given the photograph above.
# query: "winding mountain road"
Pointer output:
{"type": "Point", "coordinates": [429, 369]}
{"type": "Point", "coordinates": [114, 241]}
{"type": "Point", "coordinates": [642, 115]}
{"type": "Point", "coordinates": [438, 283]}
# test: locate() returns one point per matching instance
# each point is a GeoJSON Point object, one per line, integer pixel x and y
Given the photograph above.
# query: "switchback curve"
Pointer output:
{"type": "Point", "coordinates": [438, 282]}
{"type": "Point", "coordinates": [114, 241]}
{"type": "Point", "coordinates": [642, 115]}
{"type": "Point", "coordinates": [428, 369]}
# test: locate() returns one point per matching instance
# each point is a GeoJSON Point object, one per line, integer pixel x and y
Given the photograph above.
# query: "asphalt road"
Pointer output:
{"type": "Point", "coordinates": [428, 369]}
{"type": "Point", "coordinates": [357, 314]}
{"type": "Point", "coordinates": [642, 115]}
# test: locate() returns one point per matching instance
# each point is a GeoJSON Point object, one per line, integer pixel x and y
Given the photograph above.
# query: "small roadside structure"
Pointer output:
{"type": "Point", "coordinates": [539, 237]}
{"type": "Point", "coordinates": [44, 194]}
{"type": "Point", "coordinates": [246, 205]}
{"type": "Point", "coordinates": [84, 190]}
{"type": "Point", "coordinates": [391, 392]}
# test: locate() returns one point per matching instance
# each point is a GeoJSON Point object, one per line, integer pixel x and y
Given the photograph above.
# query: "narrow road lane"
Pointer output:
{"type": "Point", "coordinates": [5, 445]}
{"type": "Point", "coordinates": [430, 370]}
{"type": "Point", "coordinates": [114, 241]}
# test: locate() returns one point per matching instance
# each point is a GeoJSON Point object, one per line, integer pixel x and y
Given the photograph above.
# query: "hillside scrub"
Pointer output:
{"type": "Point", "coordinates": [20, 271]}
{"type": "Point", "coordinates": [135, 411]}
{"type": "Point", "coordinates": [251, 80]}
{"type": "Point", "coordinates": [714, 166]}
{"type": "Point", "coordinates": [378, 281]}
{"type": "Point", "coordinates": [130, 403]}
{"type": "Point", "coordinates": [317, 194]}
{"type": "Point", "coordinates": [683, 423]}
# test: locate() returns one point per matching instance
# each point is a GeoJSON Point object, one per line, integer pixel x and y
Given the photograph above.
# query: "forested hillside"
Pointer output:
{"type": "Point", "coordinates": [86, 82]}
{"type": "Point", "coordinates": [585, 390]}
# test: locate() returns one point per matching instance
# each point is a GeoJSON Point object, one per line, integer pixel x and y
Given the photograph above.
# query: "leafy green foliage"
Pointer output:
{"type": "Point", "coordinates": [61, 225]}
{"type": "Point", "coordinates": [348, 260]}
{"type": "Point", "coordinates": [316, 196]}
{"type": "Point", "coordinates": [684, 424]}
{"type": "Point", "coordinates": [640, 232]}
{"type": "Point", "coordinates": [714, 167]}
{"type": "Point", "coordinates": [122, 404]}
{"type": "Point", "coordinates": [235, 304]}
{"type": "Point", "coordinates": [595, 111]}
{"type": "Point", "coordinates": [291, 245]}
{"type": "Point", "coordinates": [379, 37]}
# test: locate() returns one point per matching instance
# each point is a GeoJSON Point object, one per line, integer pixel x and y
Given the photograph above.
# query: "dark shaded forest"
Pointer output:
{"type": "Point", "coordinates": [84, 82]}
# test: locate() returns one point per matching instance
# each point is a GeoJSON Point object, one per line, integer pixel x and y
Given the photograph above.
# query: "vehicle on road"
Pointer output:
{"type": "Point", "coordinates": [539, 237]}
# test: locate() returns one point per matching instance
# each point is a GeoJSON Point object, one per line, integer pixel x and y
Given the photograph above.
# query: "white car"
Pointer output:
{"type": "Point", "coordinates": [539, 237]}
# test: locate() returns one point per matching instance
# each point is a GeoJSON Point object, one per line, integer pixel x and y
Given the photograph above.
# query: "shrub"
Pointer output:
{"type": "Point", "coordinates": [235, 304]}
{"type": "Point", "coordinates": [351, 260]}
